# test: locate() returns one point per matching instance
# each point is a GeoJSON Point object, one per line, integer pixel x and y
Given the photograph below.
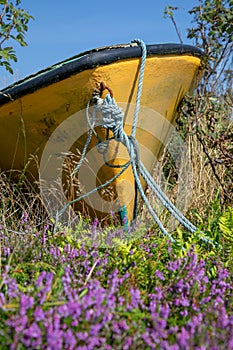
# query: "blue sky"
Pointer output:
{"type": "Point", "coordinates": [63, 29]}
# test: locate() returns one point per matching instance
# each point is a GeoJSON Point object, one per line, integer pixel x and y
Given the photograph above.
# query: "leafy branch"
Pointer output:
{"type": "Point", "coordinates": [13, 27]}
{"type": "Point", "coordinates": [168, 12]}
{"type": "Point", "coordinates": [209, 112]}
{"type": "Point", "coordinates": [212, 31]}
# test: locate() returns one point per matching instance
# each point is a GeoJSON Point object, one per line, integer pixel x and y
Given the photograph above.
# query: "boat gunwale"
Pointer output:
{"type": "Point", "coordinates": [89, 60]}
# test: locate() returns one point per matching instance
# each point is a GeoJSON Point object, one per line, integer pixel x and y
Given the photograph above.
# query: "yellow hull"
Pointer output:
{"type": "Point", "coordinates": [29, 116]}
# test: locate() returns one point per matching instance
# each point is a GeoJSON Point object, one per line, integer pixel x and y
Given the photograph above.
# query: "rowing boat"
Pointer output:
{"type": "Point", "coordinates": [44, 117]}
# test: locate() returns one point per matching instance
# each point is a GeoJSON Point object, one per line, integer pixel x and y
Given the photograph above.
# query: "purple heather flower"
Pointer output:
{"type": "Point", "coordinates": [44, 280]}
{"type": "Point", "coordinates": [32, 336]}
{"type": "Point", "coordinates": [174, 265]}
{"type": "Point", "coordinates": [82, 336]}
{"type": "Point", "coordinates": [74, 308]}
{"type": "Point", "coordinates": [111, 301]}
{"type": "Point", "coordinates": [218, 300]}
{"type": "Point", "coordinates": [54, 339]}
{"type": "Point", "coordinates": [205, 300]}
{"type": "Point", "coordinates": [89, 314]}
{"type": "Point", "coordinates": [147, 339]}
{"type": "Point", "coordinates": [194, 323]}
{"type": "Point", "coordinates": [70, 340]}
{"type": "Point", "coordinates": [107, 347]}
{"type": "Point", "coordinates": [19, 323]}
{"type": "Point", "coordinates": [95, 223]}
{"type": "Point", "coordinates": [112, 213]}
{"type": "Point", "coordinates": [118, 327]}
{"type": "Point", "coordinates": [174, 347]}
{"type": "Point", "coordinates": [161, 324]}
{"type": "Point", "coordinates": [172, 329]}
{"type": "Point", "coordinates": [56, 321]}
{"type": "Point", "coordinates": [63, 310]}
{"type": "Point", "coordinates": [159, 275]}
{"type": "Point", "coordinates": [55, 252]}
{"type": "Point", "coordinates": [40, 279]}
{"type": "Point", "coordinates": [6, 251]}
{"type": "Point", "coordinates": [44, 234]}
{"type": "Point", "coordinates": [164, 311]}
{"type": "Point", "coordinates": [121, 301]}
{"type": "Point", "coordinates": [39, 314]}
{"type": "Point", "coordinates": [74, 323]}
{"type": "Point", "coordinates": [184, 313]}
{"type": "Point", "coordinates": [12, 287]}
{"type": "Point", "coordinates": [71, 252]}
{"type": "Point", "coordinates": [123, 325]}
{"type": "Point", "coordinates": [24, 217]}
{"type": "Point", "coordinates": [94, 329]}
{"type": "Point", "coordinates": [128, 343]}
{"type": "Point", "coordinates": [184, 301]}
{"type": "Point", "coordinates": [158, 293]}
{"type": "Point", "coordinates": [135, 297]}
{"type": "Point", "coordinates": [94, 342]}
{"type": "Point", "coordinates": [230, 343]}
{"type": "Point", "coordinates": [95, 254]}
{"type": "Point", "coordinates": [223, 319]}
{"type": "Point", "coordinates": [183, 338]}
{"type": "Point", "coordinates": [179, 285]}
{"type": "Point", "coordinates": [125, 219]}
{"type": "Point", "coordinates": [26, 302]}
{"type": "Point", "coordinates": [2, 300]}
{"type": "Point", "coordinates": [6, 270]}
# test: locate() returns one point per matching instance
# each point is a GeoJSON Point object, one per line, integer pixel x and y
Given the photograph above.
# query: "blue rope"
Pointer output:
{"type": "Point", "coordinates": [140, 83]}
{"type": "Point", "coordinates": [113, 119]}
{"type": "Point", "coordinates": [124, 217]}
{"type": "Point", "coordinates": [87, 194]}
{"type": "Point", "coordinates": [165, 201]}
{"type": "Point", "coordinates": [90, 134]}
{"type": "Point", "coordinates": [152, 212]}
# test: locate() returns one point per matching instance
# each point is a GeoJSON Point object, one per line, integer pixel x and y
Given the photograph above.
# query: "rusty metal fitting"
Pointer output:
{"type": "Point", "coordinates": [103, 87]}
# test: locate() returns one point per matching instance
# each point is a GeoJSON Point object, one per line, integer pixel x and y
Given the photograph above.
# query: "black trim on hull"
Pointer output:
{"type": "Point", "coordinates": [89, 60]}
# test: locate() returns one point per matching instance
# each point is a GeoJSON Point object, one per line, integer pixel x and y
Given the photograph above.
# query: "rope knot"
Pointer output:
{"type": "Point", "coordinates": [112, 115]}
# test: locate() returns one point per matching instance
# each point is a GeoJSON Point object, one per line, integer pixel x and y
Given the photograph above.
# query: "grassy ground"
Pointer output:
{"type": "Point", "coordinates": [62, 289]}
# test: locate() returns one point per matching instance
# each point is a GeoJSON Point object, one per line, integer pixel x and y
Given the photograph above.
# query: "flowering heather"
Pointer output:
{"type": "Point", "coordinates": [58, 293]}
